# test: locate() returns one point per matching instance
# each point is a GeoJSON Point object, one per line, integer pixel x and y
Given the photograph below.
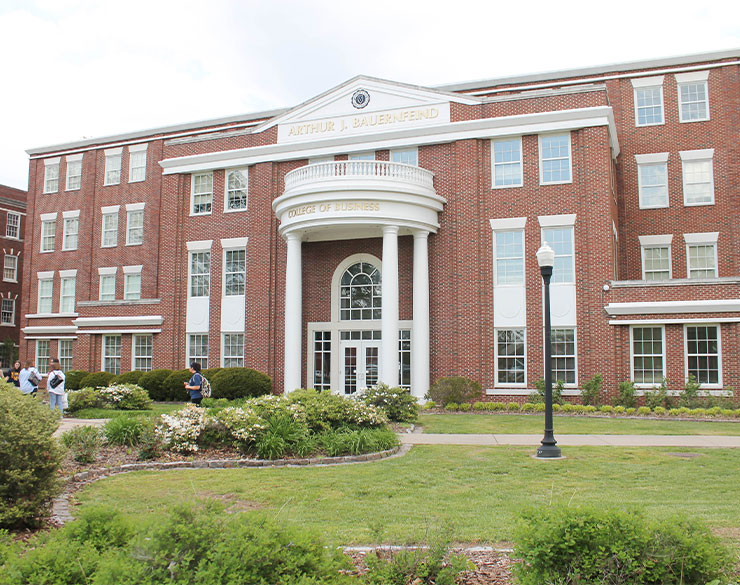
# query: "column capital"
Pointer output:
{"type": "Point", "coordinates": [390, 229]}
{"type": "Point", "coordinates": [420, 233]}
{"type": "Point", "coordinates": [293, 236]}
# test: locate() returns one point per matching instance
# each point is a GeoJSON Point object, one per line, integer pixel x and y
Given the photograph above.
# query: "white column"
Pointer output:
{"type": "Point", "coordinates": [293, 314]}
{"type": "Point", "coordinates": [420, 334]}
{"type": "Point", "coordinates": [389, 297]}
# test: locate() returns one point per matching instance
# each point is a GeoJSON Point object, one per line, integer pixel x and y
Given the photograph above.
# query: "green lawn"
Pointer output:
{"type": "Point", "coordinates": [477, 490]}
{"type": "Point", "coordinates": [157, 409]}
{"type": "Point", "coordinates": [570, 425]}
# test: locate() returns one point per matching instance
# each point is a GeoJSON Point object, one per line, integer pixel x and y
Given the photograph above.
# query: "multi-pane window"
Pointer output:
{"type": "Point", "coordinates": [198, 349]}
{"type": "Point", "coordinates": [509, 257]}
{"type": "Point", "coordinates": [134, 227]}
{"type": "Point", "coordinates": [693, 104]}
{"type": "Point", "coordinates": [46, 293]}
{"type": "Point", "coordinates": [507, 163]}
{"type": "Point", "coordinates": [510, 356]}
{"type": "Point", "coordinates": [71, 233]}
{"type": "Point", "coordinates": [136, 165]}
{"type": "Point", "coordinates": [563, 352]}
{"type": "Point", "coordinates": [66, 354]}
{"type": "Point", "coordinates": [108, 287]}
{"type": "Point", "coordinates": [656, 263]}
{"type": "Point", "coordinates": [74, 173]}
{"type": "Point", "coordinates": [67, 292]}
{"type": "Point", "coordinates": [322, 360]}
{"type": "Point", "coordinates": [48, 234]}
{"type": "Point", "coordinates": [233, 356]}
{"type": "Point", "coordinates": [10, 268]}
{"type": "Point", "coordinates": [404, 359]}
{"type": "Point", "coordinates": [649, 106]}
{"type": "Point", "coordinates": [112, 354]}
{"type": "Point", "coordinates": [560, 239]}
{"type": "Point", "coordinates": [51, 176]}
{"type": "Point", "coordinates": [112, 166]}
{"type": "Point", "coordinates": [202, 193]}
{"type": "Point", "coordinates": [43, 354]}
{"type": "Point", "coordinates": [702, 260]}
{"type": "Point", "coordinates": [407, 156]}
{"type": "Point", "coordinates": [555, 158]}
{"type": "Point", "coordinates": [200, 274]}
{"type": "Point", "coordinates": [698, 176]}
{"type": "Point", "coordinates": [359, 293]}
{"type": "Point", "coordinates": [647, 356]}
{"type": "Point", "coordinates": [235, 270]}
{"type": "Point", "coordinates": [110, 230]}
{"type": "Point", "coordinates": [13, 226]}
{"type": "Point", "coordinates": [142, 352]}
{"type": "Point", "coordinates": [653, 185]}
{"type": "Point", "coordinates": [7, 312]}
{"type": "Point", "coordinates": [237, 184]}
{"type": "Point", "coordinates": [702, 353]}
{"type": "Point", "coordinates": [132, 286]}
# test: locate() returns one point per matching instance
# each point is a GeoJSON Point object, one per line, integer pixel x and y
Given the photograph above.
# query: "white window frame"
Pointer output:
{"type": "Point", "coordinates": [74, 172]}
{"type": "Point", "coordinates": [566, 356]}
{"type": "Point", "coordinates": [648, 160]}
{"type": "Point", "coordinates": [494, 164]}
{"type": "Point", "coordinates": [199, 358]}
{"type": "Point", "coordinates": [110, 212]}
{"type": "Point", "coordinates": [114, 357]}
{"type": "Point", "coordinates": [67, 291]}
{"type": "Point", "coordinates": [132, 282]}
{"type": "Point", "coordinates": [497, 383]}
{"type": "Point", "coordinates": [362, 156]}
{"type": "Point", "coordinates": [43, 355]}
{"type": "Point", "coordinates": [13, 226]}
{"type": "Point", "coordinates": [10, 273]}
{"type": "Point", "coordinates": [106, 275]}
{"type": "Point", "coordinates": [405, 156]}
{"type": "Point", "coordinates": [656, 242]}
{"type": "Point", "coordinates": [11, 321]}
{"type": "Point", "coordinates": [194, 194]}
{"type": "Point", "coordinates": [66, 354]}
{"type": "Point", "coordinates": [496, 259]}
{"type": "Point", "coordinates": [542, 159]}
{"type": "Point", "coordinates": [48, 232]}
{"type": "Point", "coordinates": [701, 239]}
{"type": "Point", "coordinates": [692, 78]}
{"type": "Point", "coordinates": [548, 223]}
{"type": "Point", "coordinates": [239, 359]}
{"type": "Point", "coordinates": [632, 355]}
{"type": "Point", "coordinates": [228, 191]}
{"type": "Point", "coordinates": [689, 157]}
{"type": "Point", "coordinates": [45, 303]}
{"type": "Point", "coordinates": [233, 245]}
{"type": "Point", "coordinates": [643, 83]}
{"type": "Point", "coordinates": [113, 157]}
{"type": "Point", "coordinates": [146, 356]}
{"type": "Point", "coordinates": [192, 275]}
{"type": "Point", "coordinates": [71, 220]}
{"type": "Point", "coordinates": [134, 210]}
{"type": "Point", "coordinates": [51, 175]}
{"type": "Point", "coordinates": [686, 327]}
{"type": "Point", "coordinates": [137, 154]}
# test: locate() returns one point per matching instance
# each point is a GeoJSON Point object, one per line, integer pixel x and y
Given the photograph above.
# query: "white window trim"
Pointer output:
{"type": "Point", "coordinates": [642, 257]}
{"type": "Point", "coordinates": [496, 383]}
{"type": "Point", "coordinates": [133, 149]}
{"type": "Point", "coordinates": [646, 83]}
{"type": "Point", "coordinates": [44, 276]}
{"type": "Point", "coordinates": [659, 241]}
{"type": "Point", "coordinates": [694, 78]}
{"type": "Point", "coordinates": [632, 354]}
{"type": "Point", "coordinates": [414, 149]}
{"type": "Point", "coordinates": [7, 223]}
{"type": "Point", "coordinates": [103, 347]}
{"type": "Point", "coordinates": [701, 239]}
{"type": "Point", "coordinates": [51, 162]}
{"type": "Point", "coordinates": [570, 157]}
{"type": "Point", "coordinates": [575, 354]}
{"type": "Point", "coordinates": [112, 153]}
{"type": "Point", "coordinates": [67, 275]}
{"type": "Point", "coordinates": [108, 210]}
{"type": "Point", "coordinates": [16, 256]}
{"type": "Point", "coordinates": [320, 159]}
{"type": "Point", "coordinates": [47, 218]}
{"type": "Point", "coordinates": [362, 155]}
{"type": "Point", "coordinates": [223, 270]}
{"type": "Point", "coordinates": [126, 289]}
{"type": "Point", "coordinates": [652, 159]}
{"type": "Point", "coordinates": [74, 214]}
{"type": "Point", "coordinates": [223, 346]}
{"type": "Point", "coordinates": [103, 272]}
{"type": "Point", "coordinates": [131, 208]}
{"type": "Point", "coordinates": [199, 245]}
{"type": "Point", "coordinates": [719, 354]}
{"type": "Point", "coordinates": [226, 191]}
{"type": "Point", "coordinates": [521, 163]}
{"type": "Point", "coordinates": [192, 194]}
{"type": "Point", "coordinates": [10, 323]}
{"type": "Point", "coordinates": [560, 221]}
{"type": "Point", "coordinates": [706, 154]}
{"type": "Point", "coordinates": [72, 158]}
{"type": "Point", "coordinates": [133, 350]}
{"type": "Point", "coordinates": [496, 283]}
{"type": "Point", "coordinates": [190, 273]}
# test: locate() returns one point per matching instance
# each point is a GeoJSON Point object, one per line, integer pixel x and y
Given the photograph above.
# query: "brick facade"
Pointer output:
{"type": "Point", "coordinates": [12, 226]}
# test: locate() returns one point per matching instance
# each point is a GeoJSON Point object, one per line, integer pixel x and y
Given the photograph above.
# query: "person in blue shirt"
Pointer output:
{"type": "Point", "coordinates": [195, 383]}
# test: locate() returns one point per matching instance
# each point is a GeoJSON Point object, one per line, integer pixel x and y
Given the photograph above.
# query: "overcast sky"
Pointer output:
{"type": "Point", "coordinates": [75, 69]}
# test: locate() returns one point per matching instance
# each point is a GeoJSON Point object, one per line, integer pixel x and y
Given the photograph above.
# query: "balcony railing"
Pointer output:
{"type": "Point", "coordinates": [358, 169]}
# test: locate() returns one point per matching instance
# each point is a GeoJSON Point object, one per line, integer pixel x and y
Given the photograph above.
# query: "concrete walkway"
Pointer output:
{"type": "Point", "coordinates": [573, 440]}
{"type": "Point", "coordinates": [69, 423]}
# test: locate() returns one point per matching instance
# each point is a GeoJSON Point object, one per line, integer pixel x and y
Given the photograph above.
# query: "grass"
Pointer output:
{"type": "Point", "coordinates": [157, 409]}
{"type": "Point", "coordinates": [476, 490]}
{"type": "Point", "coordinates": [570, 425]}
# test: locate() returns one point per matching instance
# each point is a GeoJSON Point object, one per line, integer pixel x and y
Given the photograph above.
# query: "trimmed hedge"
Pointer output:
{"type": "Point", "coordinates": [240, 383]}
{"type": "Point", "coordinates": [152, 383]}
{"type": "Point", "coordinates": [73, 379]}
{"type": "Point", "coordinates": [96, 379]}
{"type": "Point", "coordinates": [173, 386]}
{"type": "Point", "coordinates": [131, 377]}
{"type": "Point", "coordinates": [457, 389]}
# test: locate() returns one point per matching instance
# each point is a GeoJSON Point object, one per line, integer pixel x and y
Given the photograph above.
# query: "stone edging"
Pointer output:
{"type": "Point", "coordinates": [60, 506]}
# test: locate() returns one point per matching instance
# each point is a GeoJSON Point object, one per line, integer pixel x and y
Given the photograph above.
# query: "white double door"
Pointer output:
{"type": "Point", "coordinates": [360, 364]}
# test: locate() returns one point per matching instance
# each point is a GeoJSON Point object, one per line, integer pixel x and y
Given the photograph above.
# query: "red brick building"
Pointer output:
{"type": "Point", "coordinates": [387, 232]}
{"type": "Point", "coordinates": [12, 226]}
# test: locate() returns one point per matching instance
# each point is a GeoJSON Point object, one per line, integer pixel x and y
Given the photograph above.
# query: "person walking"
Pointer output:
{"type": "Point", "coordinates": [13, 373]}
{"type": "Point", "coordinates": [29, 379]}
{"type": "Point", "coordinates": [195, 384]}
{"type": "Point", "coordinates": [55, 386]}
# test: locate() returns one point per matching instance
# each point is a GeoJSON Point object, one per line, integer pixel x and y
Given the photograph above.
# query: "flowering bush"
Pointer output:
{"type": "Point", "coordinates": [242, 423]}
{"type": "Point", "coordinates": [180, 431]}
{"type": "Point", "coordinates": [125, 397]}
{"type": "Point", "coordinates": [397, 403]}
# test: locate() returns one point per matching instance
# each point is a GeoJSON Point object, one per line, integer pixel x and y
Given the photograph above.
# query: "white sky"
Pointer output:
{"type": "Point", "coordinates": [84, 68]}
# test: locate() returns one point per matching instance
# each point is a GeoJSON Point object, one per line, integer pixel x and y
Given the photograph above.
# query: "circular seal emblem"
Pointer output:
{"type": "Point", "coordinates": [360, 99]}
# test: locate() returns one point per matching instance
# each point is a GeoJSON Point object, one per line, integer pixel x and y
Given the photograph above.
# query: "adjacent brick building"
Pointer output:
{"type": "Point", "coordinates": [12, 225]}
{"type": "Point", "coordinates": [387, 232]}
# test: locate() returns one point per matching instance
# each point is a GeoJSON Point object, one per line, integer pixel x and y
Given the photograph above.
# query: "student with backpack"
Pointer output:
{"type": "Point", "coordinates": [55, 387]}
{"type": "Point", "coordinates": [198, 386]}
{"type": "Point", "coordinates": [29, 379]}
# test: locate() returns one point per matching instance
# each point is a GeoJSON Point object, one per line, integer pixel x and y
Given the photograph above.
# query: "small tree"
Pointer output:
{"type": "Point", "coordinates": [591, 393]}
{"type": "Point", "coordinates": [455, 389]}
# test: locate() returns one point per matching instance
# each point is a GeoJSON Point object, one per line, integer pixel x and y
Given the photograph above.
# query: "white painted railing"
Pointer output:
{"type": "Point", "coordinates": [359, 168]}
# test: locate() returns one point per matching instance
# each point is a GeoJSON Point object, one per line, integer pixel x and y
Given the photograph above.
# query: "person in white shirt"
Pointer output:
{"type": "Point", "coordinates": [29, 379]}
{"type": "Point", "coordinates": [55, 386]}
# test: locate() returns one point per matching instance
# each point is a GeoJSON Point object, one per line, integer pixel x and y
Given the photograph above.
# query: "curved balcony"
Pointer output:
{"type": "Point", "coordinates": [356, 198]}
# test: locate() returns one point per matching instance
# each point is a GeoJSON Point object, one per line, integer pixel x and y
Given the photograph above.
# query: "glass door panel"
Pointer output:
{"type": "Point", "coordinates": [350, 369]}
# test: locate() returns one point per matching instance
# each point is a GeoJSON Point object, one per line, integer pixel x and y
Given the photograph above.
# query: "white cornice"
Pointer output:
{"type": "Point", "coordinates": [49, 329]}
{"type": "Point", "coordinates": [140, 320]}
{"type": "Point", "coordinates": [677, 321]}
{"type": "Point", "coordinates": [671, 307]}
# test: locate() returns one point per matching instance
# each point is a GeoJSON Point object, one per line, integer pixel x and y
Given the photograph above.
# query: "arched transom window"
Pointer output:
{"type": "Point", "coordinates": [360, 293]}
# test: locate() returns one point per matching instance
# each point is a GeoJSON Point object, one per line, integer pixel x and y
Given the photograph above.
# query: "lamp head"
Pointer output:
{"type": "Point", "coordinates": [546, 256]}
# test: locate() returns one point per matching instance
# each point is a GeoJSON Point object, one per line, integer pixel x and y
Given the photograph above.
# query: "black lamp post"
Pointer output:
{"type": "Point", "coordinates": [549, 448]}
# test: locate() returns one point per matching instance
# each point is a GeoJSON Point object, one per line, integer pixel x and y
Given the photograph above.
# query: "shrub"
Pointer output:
{"type": "Point", "coordinates": [619, 410]}
{"type": "Point", "coordinates": [73, 379]}
{"type": "Point", "coordinates": [674, 412]}
{"type": "Point", "coordinates": [658, 396]}
{"type": "Point", "coordinates": [126, 397]}
{"type": "Point", "coordinates": [150, 442]}
{"type": "Point", "coordinates": [84, 442]}
{"type": "Point", "coordinates": [242, 424]}
{"type": "Point", "coordinates": [481, 405]}
{"type": "Point", "coordinates": [698, 412]}
{"type": "Point", "coordinates": [606, 409]}
{"type": "Point", "coordinates": [557, 392]}
{"type": "Point", "coordinates": [513, 406]}
{"type": "Point", "coordinates": [626, 395]}
{"type": "Point", "coordinates": [659, 411]}
{"type": "Point", "coordinates": [579, 408]}
{"type": "Point", "coordinates": [556, 407]}
{"type": "Point", "coordinates": [456, 389]}
{"type": "Point", "coordinates": [527, 407]}
{"type": "Point", "coordinates": [643, 411]}
{"type": "Point", "coordinates": [280, 435]}
{"type": "Point", "coordinates": [209, 373]}
{"type": "Point", "coordinates": [123, 430]}
{"type": "Point", "coordinates": [727, 412]}
{"type": "Point", "coordinates": [131, 377]}
{"type": "Point", "coordinates": [465, 406]}
{"type": "Point", "coordinates": [429, 405]}
{"type": "Point", "coordinates": [571, 546]}
{"type": "Point", "coordinates": [589, 409]}
{"type": "Point", "coordinates": [690, 395]}
{"type": "Point", "coordinates": [630, 411]}
{"type": "Point", "coordinates": [30, 458]}
{"type": "Point", "coordinates": [173, 386]}
{"type": "Point", "coordinates": [85, 398]}
{"type": "Point", "coordinates": [539, 407]}
{"type": "Point", "coordinates": [180, 430]}
{"type": "Point", "coordinates": [591, 393]}
{"type": "Point", "coordinates": [321, 410]}
{"type": "Point", "coordinates": [397, 403]}
{"type": "Point", "coordinates": [96, 380]}
{"type": "Point", "coordinates": [567, 407]}
{"type": "Point", "coordinates": [356, 441]}
{"type": "Point", "coordinates": [152, 383]}
{"type": "Point", "coordinates": [240, 383]}
{"type": "Point", "coordinates": [453, 406]}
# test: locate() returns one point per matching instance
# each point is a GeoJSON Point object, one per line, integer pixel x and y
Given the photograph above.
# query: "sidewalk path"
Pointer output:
{"type": "Point", "coordinates": [573, 440]}
{"type": "Point", "coordinates": [69, 423]}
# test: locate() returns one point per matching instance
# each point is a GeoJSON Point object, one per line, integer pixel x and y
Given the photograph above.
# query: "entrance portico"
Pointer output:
{"type": "Point", "coordinates": [361, 199]}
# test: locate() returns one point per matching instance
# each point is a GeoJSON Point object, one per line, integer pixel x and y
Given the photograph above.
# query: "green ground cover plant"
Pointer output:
{"type": "Point", "coordinates": [84, 442]}
{"type": "Point", "coordinates": [156, 409]}
{"type": "Point", "coordinates": [114, 396]}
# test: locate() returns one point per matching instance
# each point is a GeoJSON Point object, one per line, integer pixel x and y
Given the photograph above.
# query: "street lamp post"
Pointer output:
{"type": "Point", "coordinates": [549, 448]}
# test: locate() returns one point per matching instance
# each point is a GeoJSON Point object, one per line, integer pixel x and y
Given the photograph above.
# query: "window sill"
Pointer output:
{"type": "Point", "coordinates": [113, 246]}
{"type": "Point", "coordinates": [45, 251]}
{"type": "Point", "coordinates": [697, 120]}
{"type": "Point", "coordinates": [70, 190]}
{"type": "Point", "coordinates": [240, 210]}
{"type": "Point", "coordinates": [137, 180]}
{"type": "Point", "coordinates": [7, 280]}
{"type": "Point", "coordinates": [497, 187]}
{"type": "Point", "coordinates": [201, 214]}
{"type": "Point", "coordinates": [702, 204]}
{"type": "Point", "coordinates": [7, 324]}
{"type": "Point", "coordinates": [654, 206]}
{"type": "Point", "coordinates": [139, 244]}
{"type": "Point", "coordinates": [69, 249]}
{"type": "Point", "coordinates": [110, 184]}
{"type": "Point", "coordinates": [568, 182]}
